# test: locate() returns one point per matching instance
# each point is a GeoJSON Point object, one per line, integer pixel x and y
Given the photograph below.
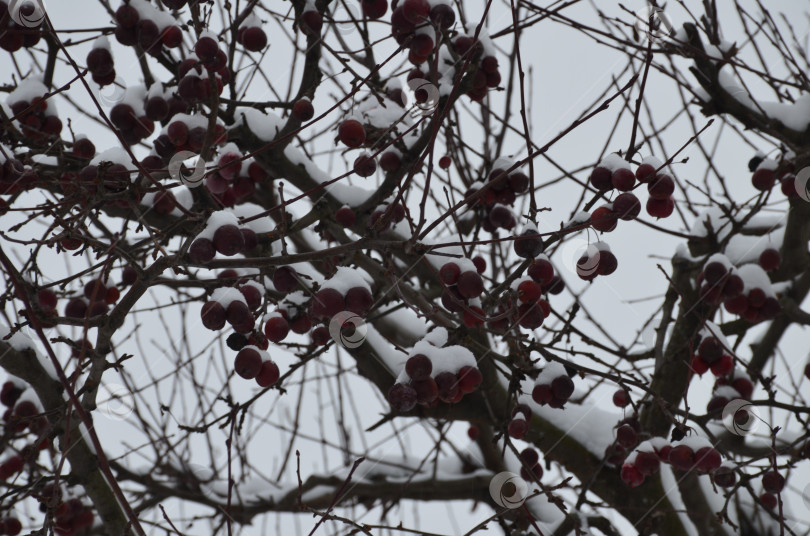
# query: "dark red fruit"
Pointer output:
{"type": "Point", "coordinates": [707, 459]}
{"type": "Point", "coordinates": [470, 284]}
{"type": "Point", "coordinates": [660, 208]}
{"type": "Point", "coordinates": [213, 315]}
{"type": "Point", "coordinates": [623, 179]}
{"type": "Point", "coordinates": [284, 279]}
{"type": "Point", "coordinates": [268, 375]}
{"type": "Point", "coordinates": [352, 133]}
{"type": "Point", "coordinates": [621, 398]}
{"type": "Point", "coordinates": [276, 329]}
{"type": "Point", "coordinates": [248, 363]}
{"type": "Point", "coordinates": [469, 378]}
{"type": "Point", "coordinates": [228, 240]}
{"type": "Point", "coordinates": [626, 206]}
{"type": "Point", "coordinates": [631, 476]}
{"type": "Point", "coordinates": [529, 244]}
{"type": "Point", "coordinates": [449, 273]}
{"type": "Point", "coordinates": [724, 477]}
{"type": "Point", "coordinates": [763, 179]}
{"type": "Point", "coordinates": [374, 9]}
{"type": "Point", "coordinates": [359, 300]}
{"type": "Point", "coordinates": [770, 259]}
{"type": "Point", "coordinates": [601, 178]}
{"type": "Point", "coordinates": [604, 219]}
{"type": "Point", "coordinates": [626, 436]}
{"type": "Point", "coordinates": [303, 109]}
{"type": "Point", "coordinates": [327, 303]}
{"type": "Point", "coordinates": [647, 463]}
{"type": "Point", "coordinates": [365, 165]}
{"type": "Point", "coordinates": [254, 39]}
{"type": "Point", "coordinates": [681, 457]}
{"type": "Point", "coordinates": [518, 428]}
{"type": "Point", "coordinates": [419, 367]}
{"type": "Point", "coordinates": [402, 397]}
{"type": "Point", "coordinates": [661, 187]}
{"type": "Point", "coordinates": [773, 482]}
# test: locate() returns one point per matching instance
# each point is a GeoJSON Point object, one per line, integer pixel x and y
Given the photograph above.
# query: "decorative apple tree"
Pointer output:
{"type": "Point", "coordinates": [313, 265]}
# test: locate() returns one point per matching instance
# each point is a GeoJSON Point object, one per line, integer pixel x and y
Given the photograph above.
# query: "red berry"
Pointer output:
{"type": "Point", "coordinates": [518, 428]}
{"type": "Point", "coordinates": [47, 300]}
{"type": "Point", "coordinates": [603, 219]}
{"type": "Point", "coordinates": [621, 398]}
{"type": "Point", "coordinates": [710, 350]}
{"type": "Point", "coordinates": [661, 187]}
{"type": "Point", "coordinates": [426, 391]}
{"type": "Point", "coordinates": [447, 384]}
{"type": "Point", "coordinates": [213, 315]}
{"type": "Point", "coordinates": [529, 291]}
{"type": "Point", "coordinates": [626, 436]}
{"type": "Point", "coordinates": [541, 271]}
{"type": "Point", "coordinates": [542, 394]}
{"type": "Point", "coordinates": [769, 500]}
{"type": "Point", "coordinates": [415, 11]}
{"type": "Point", "coordinates": [171, 36]}
{"type": "Point", "coordinates": [601, 178]}
{"type": "Point", "coordinates": [770, 259]}
{"type": "Point", "coordinates": [647, 463]}
{"type": "Point", "coordinates": [352, 133]}
{"type": "Point", "coordinates": [623, 179]}
{"type": "Point", "coordinates": [303, 109]}
{"type": "Point", "coordinates": [449, 273]}
{"type": "Point", "coordinates": [419, 367]}
{"type": "Point", "coordinates": [248, 363]}
{"type": "Point", "coordinates": [254, 39]}
{"type": "Point", "coordinates": [276, 329]}
{"type": "Point", "coordinates": [773, 482]}
{"type": "Point", "coordinates": [626, 206]}
{"type": "Point", "coordinates": [724, 366]}
{"type": "Point", "coordinates": [444, 162]}
{"type": "Point", "coordinates": [469, 378]}
{"type": "Point", "coordinates": [470, 284]}
{"type": "Point", "coordinates": [311, 22]}
{"type": "Point", "coordinates": [327, 303]}
{"type": "Point", "coordinates": [660, 208]}
{"type": "Point", "coordinates": [228, 240]}
{"type": "Point", "coordinates": [365, 165]}
{"type": "Point", "coordinates": [645, 172]}
{"type": "Point", "coordinates": [763, 179]}
{"type": "Point", "coordinates": [374, 9]}
{"type": "Point", "coordinates": [402, 397]}
{"type": "Point", "coordinates": [707, 459]}
{"type": "Point", "coordinates": [389, 161]}
{"type": "Point", "coordinates": [529, 244]}
{"type": "Point", "coordinates": [631, 476]}
{"type": "Point", "coordinates": [268, 375]}
{"type": "Point", "coordinates": [206, 49]}
{"type": "Point", "coordinates": [359, 300]}
{"type": "Point", "coordinates": [724, 476]}
{"type": "Point", "coordinates": [474, 317]}
{"type": "Point", "coordinates": [681, 457]}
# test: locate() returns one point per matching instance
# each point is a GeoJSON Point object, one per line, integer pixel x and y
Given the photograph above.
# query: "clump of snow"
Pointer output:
{"type": "Point", "coordinates": [754, 276]}
{"type": "Point", "coordinates": [226, 295]}
{"type": "Point", "coordinates": [550, 372]}
{"type": "Point", "coordinates": [613, 162]}
{"type": "Point", "coordinates": [346, 278]}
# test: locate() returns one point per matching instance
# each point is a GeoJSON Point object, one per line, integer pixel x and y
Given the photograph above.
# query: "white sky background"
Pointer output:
{"type": "Point", "coordinates": [567, 71]}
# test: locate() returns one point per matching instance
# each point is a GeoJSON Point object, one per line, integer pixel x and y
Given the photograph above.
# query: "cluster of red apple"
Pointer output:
{"type": "Point", "coordinates": [422, 386]}
{"type": "Point", "coordinates": [38, 121]}
{"type": "Point", "coordinates": [596, 260]}
{"type": "Point", "coordinates": [744, 291]}
{"type": "Point", "coordinates": [228, 240]}
{"type": "Point", "coordinates": [13, 36]}
{"type": "Point", "coordinates": [96, 300]}
{"type": "Point", "coordinates": [462, 283]}
{"type": "Point", "coordinates": [414, 23]}
{"type": "Point", "coordinates": [494, 199]}
{"type": "Point", "coordinates": [100, 62]}
{"type": "Point", "coordinates": [553, 386]}
{"type": "Point", "coordinates": [138, 23]}
{"type": "Point", "coordinates": [252, 362]}
{"type": "Point", "coordinates": [194, 73]}
{"type": "Point", "coordinates": [614, 172]}
{"type": "Point", "coordinates": [530, 468]}
{"type": "Point", "coordinates": [712, 354]}
{"type": "Point", "coordinates": [71, 517]}
{"type": "Point", "coordinates": [349, 295]}
{"type": "Point", "coordinates": [727, 388]}
{"type": "Point", "coordinates": [251, 35]}
{"type": "Point", "coordinates": [228, 305]}
{"type": "Point", "coordinates": [385, 216]}
{"type": "Point", "coordinates": [694, 453]}
{"type": "Point", "coordinates": [235, 179]}
{"type": "Point", "coordinates": [133, 127]}
{"type": "Point", "coordinates": [187, 133]}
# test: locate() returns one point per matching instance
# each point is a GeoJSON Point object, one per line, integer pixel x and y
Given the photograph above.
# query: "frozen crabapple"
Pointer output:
{"type": "Point", "coordinates": [253, 38]}
{"type": "Point", "coordinates": [518, 428]}
{"type": "Point", "coordinates": [402, 397]}
{"type": "Point", "coordinates": [681, 457]}
{"type": "Point", "coordinates": [268, 374]}
{"type": "Point", "coordinates": [470, 284]}
{"type": "Point", "coordinates": [604, 219]}
{"type": "Point", "coordinates": [626, 206]}
{"type": "Point", "coordinates": [419, 367]}
{"type": "Point", "coordinates": [352, 133]}
{"type": "Point", "coordinates": [660, 208]}
{"type": "Point", "coordinates": [724, 476]}
{"type": "Point", "coordinates": [773, 482]}
{"type": "Point", "coordinates": [374, 9]}
{"type": "Point", "coordinates": [621, 398]}
{"type": "Point", "coordinates": [529, 244]}
{"type": "Point", "coordinates": [345, 216]}
{"type": "Point", "coordinates": [770, 259]}
{"type": "Point", "coordinates": [365, 165]}
{"type": "Point", "coordinates": [303, 109]}
{"type": "Point", "coordinates": [248, 363]}
{"type": "Point", "coordinates": [276, 329]}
